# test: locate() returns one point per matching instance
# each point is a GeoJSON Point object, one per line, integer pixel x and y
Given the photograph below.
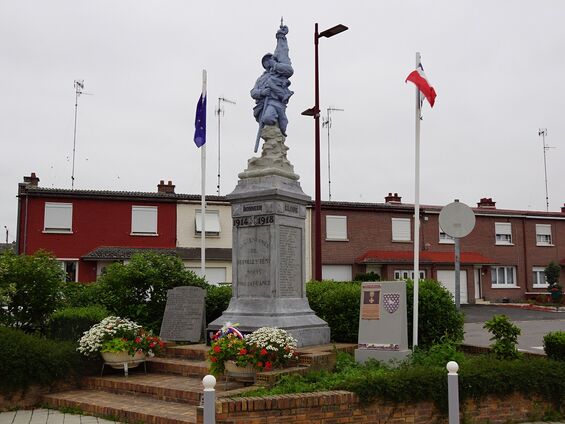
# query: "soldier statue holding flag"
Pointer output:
{"type": "Point", "coordinates": [271, 91]}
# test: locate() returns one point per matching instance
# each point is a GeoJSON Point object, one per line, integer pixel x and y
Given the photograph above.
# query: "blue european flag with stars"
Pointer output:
{"type": "Point", "coordinates": [200, 122]}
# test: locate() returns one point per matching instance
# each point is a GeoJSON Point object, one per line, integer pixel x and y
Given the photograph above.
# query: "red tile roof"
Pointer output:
{"type": "Point", "coordinates": [387, 256]}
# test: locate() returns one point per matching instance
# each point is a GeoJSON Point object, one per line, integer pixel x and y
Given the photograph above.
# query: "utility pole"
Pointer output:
{"type": "Point", "coordinates": [6, 228]}
{"type": "Point", "coordinates": [79, 87]}
{"type": "Point", "coordinates": [219, 113]}
{"type": "Point", "coordinates": [327, 122]}
{"type": "Point", "coordinates": [542, 132]}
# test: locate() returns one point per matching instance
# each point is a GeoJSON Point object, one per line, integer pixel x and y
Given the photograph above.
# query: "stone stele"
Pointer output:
{"type": "Point", "coordinates": [268, 254]}
{"type": "Point", "coordinates": [382, 322]}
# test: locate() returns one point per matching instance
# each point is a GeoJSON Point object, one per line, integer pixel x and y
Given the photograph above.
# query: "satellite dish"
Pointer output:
{"type": "Point", "coordinates": [457, 219]}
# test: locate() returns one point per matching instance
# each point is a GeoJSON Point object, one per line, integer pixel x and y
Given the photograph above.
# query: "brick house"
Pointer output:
{"type": "Point", "coordinates": [89, 229]}
{"type": "Point", "coordinates": [503, 257]}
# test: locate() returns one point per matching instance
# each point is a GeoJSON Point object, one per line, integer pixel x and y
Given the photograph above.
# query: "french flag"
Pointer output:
{"type": "Point", "coordinates": [418, 77]}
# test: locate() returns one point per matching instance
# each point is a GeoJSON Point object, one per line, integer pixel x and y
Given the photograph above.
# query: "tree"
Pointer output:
{"type": "Point", "coordinates": [138, 289]}
{"type": "Point", "coordinates": [552, 275]}
{"type": "Point", "coordinates": [31, 287]}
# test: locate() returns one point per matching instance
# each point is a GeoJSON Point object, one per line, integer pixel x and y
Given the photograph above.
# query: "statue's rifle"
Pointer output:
{"type": "Point", "coordinates": [261, 125]}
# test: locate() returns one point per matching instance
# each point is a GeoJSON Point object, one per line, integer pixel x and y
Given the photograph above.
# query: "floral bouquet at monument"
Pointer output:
{"type": "Point", "coordinates": [262, 350]}
{"type": "Point", "coordinates": [115, 334]}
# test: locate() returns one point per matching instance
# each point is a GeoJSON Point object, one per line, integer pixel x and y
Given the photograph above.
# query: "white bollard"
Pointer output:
{"type": "Point", "coordinates": [209, 382]}
{"type": "Point", "coordinates": [453, 391]}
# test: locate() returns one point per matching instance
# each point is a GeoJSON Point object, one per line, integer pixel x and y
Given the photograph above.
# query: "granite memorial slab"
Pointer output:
{"type": "Point", "coordinates": [185, 314]}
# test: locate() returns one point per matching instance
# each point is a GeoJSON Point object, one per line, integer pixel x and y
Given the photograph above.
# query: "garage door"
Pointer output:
{"type": "Point", "coordinates": [447, 279]}
{"type": "Point", "coordinates": [336, 272]}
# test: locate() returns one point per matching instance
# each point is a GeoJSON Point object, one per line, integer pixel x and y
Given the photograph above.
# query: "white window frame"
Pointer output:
{"type": "Point", "coordinates": [503, 233]}
{"type": "Point", "coordinates": [398, 231]}
{"type": "Point", "coordinates": [61, 213]}
{"type": "Point", "coordinates": [147, 228]}
{"type": "Point", "coordinates": [539, 275]}
{"type": "Point", "coordinates": [445, 238]}
{"type": "Point", "coordinates": [404, 274]}
{"type": "Point", "coordinates": [213, 227]}
{"type": "Point", "coordinates": [508, 273]}
{"type": "Point", "coordinates": [336, 228]}
{"type": "Point", "coordinates": [543, 235]}
{"type": "Point", "coordinates": [63, 263]}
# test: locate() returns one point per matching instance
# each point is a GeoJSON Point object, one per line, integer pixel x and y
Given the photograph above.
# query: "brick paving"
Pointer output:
{"type": "Point", "coordinates": [48, 416]}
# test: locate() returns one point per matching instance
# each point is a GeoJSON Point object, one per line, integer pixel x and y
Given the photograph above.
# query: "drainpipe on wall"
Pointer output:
{"type": "Point", "coordinates": [526, 273]}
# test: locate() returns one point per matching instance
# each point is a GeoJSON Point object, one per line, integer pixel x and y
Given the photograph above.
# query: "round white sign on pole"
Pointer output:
{"type": "Point", "coordinates": [457, 219]}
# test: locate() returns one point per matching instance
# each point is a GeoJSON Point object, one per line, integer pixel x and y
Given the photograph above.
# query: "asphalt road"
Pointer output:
{"type": "Point", "coordinates": [534, 325]}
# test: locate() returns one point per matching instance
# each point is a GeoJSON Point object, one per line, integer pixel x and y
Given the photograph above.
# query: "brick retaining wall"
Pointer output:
{"type": "Point", "coordinates": [344, 407]}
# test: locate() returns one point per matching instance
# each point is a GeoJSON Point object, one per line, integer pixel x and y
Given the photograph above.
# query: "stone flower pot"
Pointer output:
{"type": "Point", "coordinates": [238, 373]}
{"type": "Point", "coordinates": [117, 359]}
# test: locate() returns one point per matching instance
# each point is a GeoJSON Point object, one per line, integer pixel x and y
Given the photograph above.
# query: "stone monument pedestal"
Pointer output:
{"type": "Point", "coordinates": [269, 273]}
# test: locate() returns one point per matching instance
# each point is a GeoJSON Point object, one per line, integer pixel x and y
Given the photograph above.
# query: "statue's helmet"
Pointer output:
{"type": "Point", "coordinates": [265, 60]}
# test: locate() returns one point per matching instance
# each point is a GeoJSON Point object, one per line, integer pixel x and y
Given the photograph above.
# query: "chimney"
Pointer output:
{"type": "Point", "coordinates": [393, 198]}
{"type": "Point", "coordinates": [32, 180]}
{"type": "Point", "coordinates": [165, 188]}
{"type": "Point", "coordinates": [486, 203]}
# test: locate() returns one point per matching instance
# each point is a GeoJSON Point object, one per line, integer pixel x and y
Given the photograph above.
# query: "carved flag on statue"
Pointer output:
{"type": "Point", "coordinates": [418, 77]}
{"type": "Point", "coordinates": [200, 122]}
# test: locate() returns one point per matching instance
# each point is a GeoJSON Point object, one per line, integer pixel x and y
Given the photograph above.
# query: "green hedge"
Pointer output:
{"type": "Point", "coordinates": [217, 301]}
{"type": "Point", "coordinates": [478, 377]}
{"type": "Point", "coordinates": [338, 304]}
{"type": "Point", "coordinates": [29, 359]}
{"type": "Point", "coordinates": [70, 323]}
{"type": "Point", "coordinates": [554, 345]}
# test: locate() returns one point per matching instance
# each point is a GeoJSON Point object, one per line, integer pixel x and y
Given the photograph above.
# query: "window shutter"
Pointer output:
{"type": "Point", "coordinates": [144, 219]}
{"type": "Point", "coordinates": [212, 223]}
{"type": "Point", "coordinates": [503, 228]}
{"type": "Point", "coordinates": [336, 227]}
{"type": "Point", "coordinates": [58, 217]}
{"type": "Point", "coordinates": [543, 229]}
{"type": "Point", "coordinates": [401, 229]}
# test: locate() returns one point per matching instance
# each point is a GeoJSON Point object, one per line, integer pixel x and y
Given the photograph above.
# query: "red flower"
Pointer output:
{"type": "Point", "coordinates": [217, 349]}
{"type": "Point", "coordinates": [138, 339]}
{"type": "Point", "coordinates": [213, 359]}
{"type": "Point", "coordinates": [152, 344]}
{"type": "Point", "coordinates": [268, 365]}
{"type": "Point", "coordinates": [243, 351]}
{"type": "Point", "coordinates": [259, 364]}
{"type": "Point", "coordinates": [263, 351]}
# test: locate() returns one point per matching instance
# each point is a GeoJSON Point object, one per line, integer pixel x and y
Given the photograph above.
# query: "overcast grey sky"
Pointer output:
{"type": "Point", "coordinates": [497, 67]}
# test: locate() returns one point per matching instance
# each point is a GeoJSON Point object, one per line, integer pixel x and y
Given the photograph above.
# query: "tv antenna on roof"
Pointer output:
{"type": "Point", "coordinates": [542, 132]}
{"type": "Point", "coordinates": [327, 122]}
{"type": "Point", "coordinates": [219, 113]}
{"type": "Point", "coordinates": [79, 87]}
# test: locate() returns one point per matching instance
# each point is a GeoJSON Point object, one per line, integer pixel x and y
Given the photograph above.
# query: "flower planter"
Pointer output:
{"type": "Point", "coordinates": [118, 359]}
{"type": "Point", "coordinates": [238, 373]}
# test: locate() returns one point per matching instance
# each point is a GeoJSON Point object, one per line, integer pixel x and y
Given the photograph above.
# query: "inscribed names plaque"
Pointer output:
{"type": "Point", "coordinates": [184, 314]}
{"type": "Point", "coordinates": [254, 261]}
{"type": "Point", "coordinates": [290, 261]}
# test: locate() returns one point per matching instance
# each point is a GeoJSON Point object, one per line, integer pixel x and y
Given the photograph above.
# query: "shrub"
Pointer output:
{"type": "Point", "coordinates": [71, 323]}
{"type": "Point", "coordinates": [369, 276]}
{"type": "Point", "coordinates": [554, 345]}
{"type": "Point", "coordinates": [437, 355]}
{"type": "Point", "coordinates": [36, 281]}
{"type": "Point", "coordinates": [30, 359]}
{"type": "Point", "coordinates": [80, 294]}
{"type": "Point", "coordinates": [217, 301]}
{"type": "Point", "coordinates": [438, 317]}
{"type": "Point", "coordinates": [138, 289]}
{"type": "Point", "coordinates": [337, 303]}
{"type": "Point", "coordinates": [505, 334]}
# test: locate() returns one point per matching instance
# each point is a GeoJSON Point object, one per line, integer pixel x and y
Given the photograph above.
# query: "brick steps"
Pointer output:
{"type": "Point", "coordinates": [133, 409]}
{"type": "Point", "coordinates": [178, 366]}
{"type": "Point", "coordinates": [158, 386]}
{"type": "Point", "coordinates": [195, 351]}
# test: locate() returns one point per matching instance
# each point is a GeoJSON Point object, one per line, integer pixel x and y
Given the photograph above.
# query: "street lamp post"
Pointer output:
{"type": "Point", "coordinates": [315, 112]}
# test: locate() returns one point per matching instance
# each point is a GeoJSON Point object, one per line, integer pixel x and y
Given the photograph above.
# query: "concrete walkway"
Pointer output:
{"type": "Point", "coordinates": [47, 416]}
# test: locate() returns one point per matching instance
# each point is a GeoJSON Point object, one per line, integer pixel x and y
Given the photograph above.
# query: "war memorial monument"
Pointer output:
{"type": "Point", "coordinates": [268, 215]}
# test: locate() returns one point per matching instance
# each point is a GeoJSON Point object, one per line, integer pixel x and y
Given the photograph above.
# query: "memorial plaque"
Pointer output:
{"type": "Point", "coordinates": [254, 262]}
{"type": "Point", "coordinates": [290, 261]}
{"type": "Point", "coordinates": [184, 318]}
{"type": "Point", "coordinates": [382, 322]}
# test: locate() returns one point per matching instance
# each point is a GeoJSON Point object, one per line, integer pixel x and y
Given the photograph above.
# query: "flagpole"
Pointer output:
{"type": "Point", "coordinates": [203, 194]}
{"type": "Point", "coordinates": [416, 215]}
